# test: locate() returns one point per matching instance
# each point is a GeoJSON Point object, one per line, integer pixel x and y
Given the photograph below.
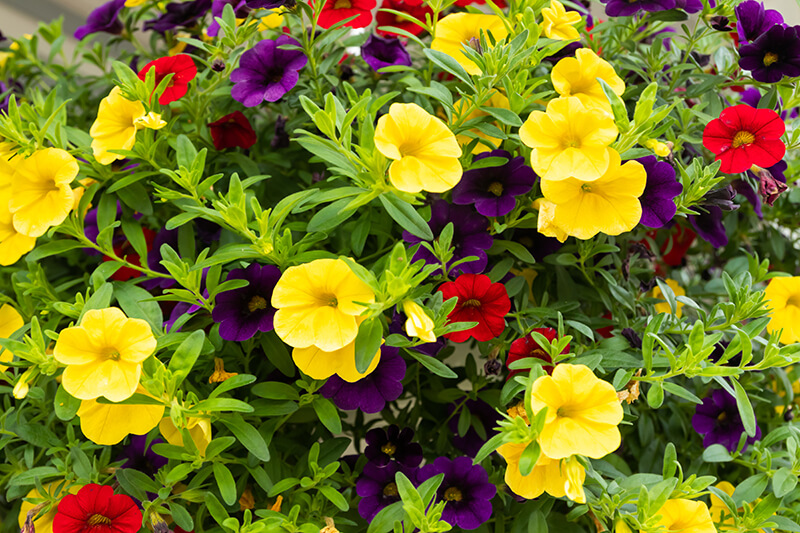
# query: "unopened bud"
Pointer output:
{"type": "Point", "coordinates": [475, 44]}
{"type": "Point", "coordinates": [492, 367]}
{"type": "Point", "coordinates": [769, 188]}
{"type": "Point", "coordinates": [720, 23]}
{"type": "Point", "coordinates": [632, 337]}
{"type": "Point", "coordinates": [218, 65]}
{"type": "Point", "coordinates": [788, 414]}
{"type": "Point", "coordinates": [21, 388]}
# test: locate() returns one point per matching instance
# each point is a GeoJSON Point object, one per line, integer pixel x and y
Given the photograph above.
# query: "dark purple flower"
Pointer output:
{"type": "Point", "coordinates": [465, 489]}
{"type": "Point", "coordinates": [4, 100]}
{"type": "Point", "coordinates": [483, 415]}
{"type": "Point", "coordinates": [720, 23]}
{"type": "Point", "coordinates": [708, 224]}
{"type": "Point", "coordinates": [690, 6]}
{"type": "Point", "coordinates": [537, 244]}
{"type": "Point", "coordinates": [493, 189]}
{"type": "Point", "coordinates": [381, 52]}
{"type": "Point", "coordinates": [745, 189]}
{"type": "Point", "coordinates": [269, 4]}
{"type": "Point", "coordinates": [567, 51]}
{"type": "Point", "coordinates": [243, 312]}
{"type": "Point", "coordinates": [139, 456]}
{"type": "Point", "coordinates": [179, 15]}
{"type": "Point", "coordinates": [103, 19]}
{"type": "Point", "coordinates": [752, 20]}
{"type": "Point", "coordinates": [240, 10]}
{"type": "Point", "coordinates": [626, 8]}
{"type": "Point", "coordinates": [469, 236]}
{"type": "Point", "coordinates": [658, 206]}
{"type": "Point", "coordinates": [281, 138]}
{"type": "Point", "coordinates": [717, 419]}
{"type": "Point", "coordinates": [385, 444]}
{"type": "Point", "coordinates": [370, 394]}
{"type": "Point", "coordinates": [164, 236]}
{"type": "Point", "coordinates": [776, 53]}
{"type": "Point", "coordinates": [267, 72]}
{"type": "Point", "coordinates": [378, 489]}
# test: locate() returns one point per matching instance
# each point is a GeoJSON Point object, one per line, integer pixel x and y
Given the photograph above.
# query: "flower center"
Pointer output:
{"type": "Point", "coordinates": [572, 141]}
{"type": "Point", "coordinates": [496, 188]}
{"type": "Point", "coordinates": [472, 302]}
{"type": "Point", "coordinates": [794, 300]}
{"type": "Point", "coordinates": [770, 58]}
{"type": "Point", "coordinates": [391, 490]}
{"type": "Point", "coordinates": [722, 416]}
{"type": "Point", "coordinates": [453, 494]}
{"type": "Point", "coordinates": [275, 75]}
{"type": "Point", "coordinates": [342, 4]}
{"type": "Point", "coordinates": [256, 303]}
{"type": "Point", "coordinates": [114, 355]}
{"type": "Point", "coordinates": [539, 353]}
{"type": "Point", "coordinates": [389, 448]}
{"type": "Point", "coordinates": [586, 187]}
{"type": "Point", "coordinates": [98, 519]}
{"type": "Point", "coordinates": [743, 138]}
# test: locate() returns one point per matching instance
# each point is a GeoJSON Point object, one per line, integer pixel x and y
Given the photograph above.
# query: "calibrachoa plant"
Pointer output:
{"type": "Point", "coordinates": [312, 266]}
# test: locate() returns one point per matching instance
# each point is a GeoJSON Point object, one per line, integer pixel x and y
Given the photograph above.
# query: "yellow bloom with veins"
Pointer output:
{"type": "Point", "coordinates": [104, 354]}
{"type": "Point", "coordinates": [319, 364]}
{"type": "Point", "coordinates": [462, 106]}
{"type": "Point", "coordinates": [556, 477]}
{"type": "Point", "coordinates": [784, 301]}
{"type": "Point", "coordinates": [546, 223]}
{"type": "Point", "coordinates": [559, 23]}
{"type": "Point", "coordinates": [569, 140]}
{"type": "Point", "coordinates": [577, 76]}
{"type": "Point", "coordinates": [13, 244]}
{"type": "Point", "coordinates": [199, 431]}
{"type": "Point", "coordinates": [115, 126]}
{"type": "Point", "coordinates": [43, 524]}
{"type": "Point", "coordinates": [608, 205]}
{"type": "Point", "coordinates": [10, 321]}
{"type": "Point", "coordinates": [419, 324]}
{"type": "Point", "coordinates": [455, 31]}
{"type": "Point", "coordinates": [424, 150]}
{"type": "Point", "coordinates": [685, 516]}
{"type": "Point", "coordinates": [108, 423]}
{"type": "Point", "coordinates": [583, 413]}
{"type": "Point", "coordinates": [318, 304]}
{"type": "Point", "coordinates": [664, 306]}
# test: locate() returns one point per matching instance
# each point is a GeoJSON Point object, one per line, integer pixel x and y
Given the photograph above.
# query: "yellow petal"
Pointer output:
{"type": "Point", "coordinates": [116, 380]}
{"type": "Point", "coordinates": [199, 432]}
{"type": "Point", "coordinates": [455, 30]}
{"type": "Point", "coordinates": [108, 424]}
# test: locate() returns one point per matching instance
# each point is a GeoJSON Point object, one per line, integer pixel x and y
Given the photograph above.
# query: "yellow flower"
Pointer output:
{"type": "Point", "coordinates": [319, 364]}
{"type": "Point", "coordinates": [784, 301]}
{"type": "Point", "coordinates": [577, 76]}
{"type": "Point", "coordinates": [43, 524]}
{"type": "Point", "coordinates": [318, 304]}
{"type": "Point", "coordinates": [658, 148]}
{"type": "Point", "coordinates": [273, 20]}
{"type": "Point", "coordinates": [546, 222]}
{"type": "Point", "coordinates": [419, 324]}
{"type": "Point", "coordinates": [21, 387]}
{"type": "Point", "coordinates": [104, 354]}
{"type": "Point", "coordinates": [134, 3]}
{"type": "Point", "coordinates": [41, 196]}
{"type": "Point", "coordinates": [456, 30]}
{"type": "Point", "coordinates": [557, 477]}
{"type": "Point", "coordinates": [151, 120]}
{"type": "Point", "coordinates": [461, 106]}
{"type": "Point", "coordinates": [10, 321]}
{"type": "Point", "coordinates": [199, 431]}
{"type": "Point", "coordinates": [108, 423]}
{"type": "Point", "coordinates": [664, 306]}
{"type": "Point", "coordinates": [608, 205]}
{"type": "Point", "coordinates": [13, 244]}
{"type": "Point", "coordinates": [424, 150]}
{"type": "Point", "coordinates": [686, 516]}
{"type": "Point", "coordinates": [583, 413]}
{"type": "Point", "coordinates": [4, 57]}
{"type": "Point", "coordinates": [115, 127]}
{"type": "Point", "coordinates": [558, 22]}
{"type": "Point", "coordinates": [720, 513]}
{"type": "Point", "coordinates": [569, 140]}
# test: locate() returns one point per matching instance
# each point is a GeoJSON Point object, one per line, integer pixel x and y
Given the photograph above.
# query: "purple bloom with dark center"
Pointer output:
{"type": "Point", "coordinates": [469, 236]}
{"type": "Point", "coordinates": [243, 312]}
{"type": "Point", "coordinates": [381, 52]}
{"type": "Point", "coordinates": [690, 6]}
{"type": "Point", "coordinates": [752, 20]}
{"type": "Point", "coordinates": [493, 189]}
{"type": "Point", "coordinates": [240, 9]}
{"type": "Point", "coordinates": [139, 456]}
{"type": "Point", "coordinates": [708, 224]}
{"type": "Point", "coordinates": [465, 489]}
{"type": "Point", "coordinates": [717, 419]}
{"type": "Point", "coordinates": [773, 55]}
{"type": "Point", "coordinates": [626, 8]}
{"type": "Point", "coordinates": [164, 236]}
{"type": "Point", "coordinates": [179, 15]}
{"type": "Point", "coordinates": [267, 72]}
{"type": "Point", "coordinates": [103, 19]}
{"type": "Point", "coordinates": [540, 246]}
{"type": "Point", "coordinates": [378, 488]}
{"type": "Point", "coordinates": [385, 444]}
{"type": "Point", "coordinates": [370, 394]}
{"type": "Point", "coordinates": [658, 206]}
{"type": "Point", "coordinates": [484, 416]}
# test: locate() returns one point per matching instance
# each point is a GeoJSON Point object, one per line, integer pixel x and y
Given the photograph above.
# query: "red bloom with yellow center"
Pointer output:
{"type": "Point", "coordinates": [183, 69]}
{"type": "Point", "coordinates": [479, 300]}
{"type": "Point", "coordinates": [743, 136]}
{"type": "Point", "coordinates": [96, 509]}
{"type": "Point", "coordinates": [528, 347]}
{"type": "Point", "coordinates": [336, 10]}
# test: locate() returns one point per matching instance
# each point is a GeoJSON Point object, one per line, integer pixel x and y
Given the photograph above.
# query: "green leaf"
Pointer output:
{"type": "Point", "coordinates": [432, 364]}
{"type": "Point", "coordinates": [327, 414]}
{"type": "Point", "coordinates": [276, 352]}
{"type": "Point", "coordinates": [405, 215]}
{"type": "Point", "coordinates": [225, 482]}
{"type": "Point", "coordinates": [224, 404]}
{"type": "Point", "coordinates": [783, 482]}
{"type": "Point", "coordinates": [100, 299]}
{"type": "Point", "coordinates": [186, 355]}
{"type": "Point", "coordinates": [368, 343]}
{"type": "Point", "coordinates": [334, 496]}
{"type": "Point", "coordinates": [65, 405]}
{"type": "Point", "coordinates": [51, 248]}
{"type": "Point", "coordinates": [716, 453]}
{"type": "Point", "coordinates": [180, 515]}
{"type": "Point", "coordinates": [745, 409]}
{"type": "Point", "coordinates": [385, 519]}
{"type": "Point", "coordinates": [134, 301]}
{"type": "Point", "coordinates": [529, 457]}
{"type": "Point", "coordinates": [617, 107]}
{"type": "Point", "coordinates": [232, 383]}
{"type": "Point", "coordinates": [750, 489]}
{"type": "Point", "coordinates": [275, 390]}
{"type": "Point", "coordinates": [247, 435]}
{"type": "Point", "coordinates": [506, 116]}
{"type": "Point", "coordinates": [655, 395]}
{"type": "Point", "coordinates": [215, 509]}
{"type": "Point", "coordinates": [448, 64]}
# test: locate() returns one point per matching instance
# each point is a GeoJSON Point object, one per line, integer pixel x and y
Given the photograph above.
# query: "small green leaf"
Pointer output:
{"type": "Point", "coordinates": [186, 355]}
{"type": "Point", "coordinates": [745, 409]}
{"type": "Point", "coordinates": [405, 215]}
{"type": "Point", "coordinates": [327, 414]}
{"type": "Point", "coordinates": [334, 496]}
{"type": "Point", "coordinates": [247, 435]}
{"type": "Point", "coordinates": [368, 343]}
{"type": "Point", "coordinates": [225, 482]}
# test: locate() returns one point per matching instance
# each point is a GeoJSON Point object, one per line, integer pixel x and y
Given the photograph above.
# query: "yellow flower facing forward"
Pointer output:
{"type": "Point", "coordinates": [318, 304]}
{"type": "Point", "coordinates": [546, 223]}
{"type": "Point", "coordinates": [583, 413]}
{"type": "Point", "coordinates": [419, 324]}
{"type": "Point", "coordinates": [10, 321]}
{"type": "Point", "coordinates": [569, 140]}
{"type": "Point", "coordinates": [108, 423]}
{"type": "Point", "coordinates": [115, 126]}
{"type": "Point", "coordinates": [462, 106]}
{"type": "Point", "coordinates": [784, 301]}
{"type": "Point", "coordinates": [199, 432]}
{"type": "Point", "coordinates": [424, 150]}
{"type": "Point", "coordinates": [686, 516]}
{"type": "Point", "coordinates": [577, 76]}
{"type": "Point", "coordinates": [664, 307]}
{"type": "Point", "coordinates": [43, 524]}
{"type": "Point", "coordinates": [558, 478]}
{"type": "Point", "coordinates": [41, 196]}
{"type": "Point", "coordinates": [559, 23]}
{"type": "Point", "coordinates": [455, 31]}
{"type": "Point", "coordinates": [104, 354]}
{"type": "Point", "coordinates": [319, 364]}
{"type": "Point", "coordinates": [608, 205]}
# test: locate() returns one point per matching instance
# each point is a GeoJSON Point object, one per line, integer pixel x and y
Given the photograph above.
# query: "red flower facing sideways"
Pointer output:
{"type": "Point", "coordinates": [527, 347]}
{"type": "Point", "coordinates": [183, 69]}
{"type": "Point", "coordinates": [96, 509]}
{"type": "Point", "coordinates": [336, 10]}
{"type": "Point", "coordinates": [231, 131]}
{"type": "Point", "coordinates": [479, 300]}
{"type": "Point", "coordinates": [743, 136]}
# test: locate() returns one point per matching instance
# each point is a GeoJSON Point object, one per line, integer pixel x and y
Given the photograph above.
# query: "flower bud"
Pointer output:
{"type": "Point", "coordinates": [21, 388]}
{"type": "Point", "coordinates": [218, 65]}
{"type": "Point", "coordinates": [769, 188]}
{"type": "Point", "coordinates": [493, 367]}
{"type": "Point", "coordinates": [632, 337]}
{"type": "Point", "coordinates": [419, 324]}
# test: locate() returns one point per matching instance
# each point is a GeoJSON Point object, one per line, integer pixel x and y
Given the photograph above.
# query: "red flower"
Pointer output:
{"type": "Point", "coordinates": [231, 131]}
{"type": "Point", "coordinates": [183, 69]}
{"type": "Point", "coordinates": [528, 347]}
{"type": "Point", "coordinates": [126, 252]}
{"type": "Point", "coordinates": [96, 509]}
{"type": "Point", "coordinates": [742, 137]}
{"type": "Point", "coordinates": [464, 3]}
{"type": "Point", "coordinates": [411, 7]}
{"type": "Point", "coordinates": [605, 331]}
{"type": "Point", "coordinates": [479, 300]}
{"type": "Point", "coordinates": [335, 10]}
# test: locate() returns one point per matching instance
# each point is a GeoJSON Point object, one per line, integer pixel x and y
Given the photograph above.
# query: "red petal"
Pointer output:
{"type": "Point", "coordinates": [717, 137]}
{"type": "Point", "coordinates": [766, 152]}
{"type": "Point", "coordinates": [767, 124]}
{"type": "Point", "coordinates": [738, 117]}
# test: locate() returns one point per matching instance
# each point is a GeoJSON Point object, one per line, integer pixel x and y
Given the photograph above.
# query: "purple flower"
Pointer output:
{"type": "Point", "coordinates": [469, 236]}
{"type": "Point", "coordinates": [752, 96]}
{"type": "Point", "coordinates": [103, 19]}
{"type": "Point", "coordinates": [370, 394]}
{"type": "Point", "coordinates": [484, 416]}
{"type": "Point", "coordinates": [385, 444]}
{"type": "Point", "coordinates": [752, 20]}
{"type": "Point", "coordinates": [179, 15]}
{"type": "Point", "coordinates": [493, 189]}
{"type": "Point", "coordinates": [626, 8]}
{"type": "Point", "coordinates": [658, 206]}
{"type": "Point", "coordinates": [243, 312]}
{"type": "Point", "coordinates": [774, 54]}
{"type": "Point", "coordinates": [744, 188]}
{"type": "Point", "coordinates": [139, 456]}
{"type": "Point", "coordinates": [719, 422]}
{"type": "Point", "coordinates": [690, 6]}
{"type": "Point", "coordinates": [4, 100]}
{"type": "Point", "coordinates": [240, 9]}
{"type": "Point", "coordinates": [567, 51]}
{"type": "Point", "coordinates": [378, 489]}
{"type": "Point", "coordinates": [465, 489]}
{"type": "Point", "coordinates": [164, 236]}
{"type": "Point", "coordinates": [708, 224]}
{"type": "Point", "coordinates": [381, 52]}
{"type": "Point", "coordinates": [267, 72]}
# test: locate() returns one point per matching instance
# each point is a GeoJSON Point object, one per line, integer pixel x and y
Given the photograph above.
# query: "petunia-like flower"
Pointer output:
{"type": "Point", "coordinates": [322, 364]}
{"type": "Point", "coordinates": [685, 516]}
{"type": "Point", "coordinates": [718, 421]}
{"type": "Point", "coordinates": [334, 11]}
{"type": "Point", "coordinates": [556, 477]}
{"type": "Point", "coordinates": [392, 443]}
{"type": "Point", "coordinates": [10, 321]}
{"type": "Point", "coordinates": [752, 20]}
{"type": "Point", "coordinates": [232, 131]}
{"type": "Point", "coordinates": [419, 324]}
{"type": "Point", "coordinates": [783, 295]}
{"type": "Point", "coordinates": [466, 491]}
{"type": "Point", "coordinates": [104, 18]}
{"type": "Point", "coordinates": [470, 236]}
{"type": "Point", "coordinates": [493, 189]}
{"type": "Point", "coordinates": [199, 431]}
{"type": "Point", "coordinates": [183, 70]}
{"type": "Point", "coordinates": [108, 423]}
{"type": "Point", "coordinates": [44, 523]}
{"type": "Point", "coordinates": [371, 393]}
{"type": "Point", "coordinates": [455, 31]}
{"type": "Point", "coordinates": [464, 112]}
{"type": "Point", "coordinates": [115, 127]}
{"type": "Point", "coordinates": [424, 151]}
{"type": "Point", "coordinates": [479, 300]}
{"type": "Point", "coordinates": [569, 141]}
{"type": "Point", "coordinates": [378, 488]}
{"type": "Point", "coordinates": [583, 413]}
{"type": "Point", "coordinates": [179, 15]}
{"type": "Point", "coordinates": [559, 23]}
{"type": "Point", "coordinates": [13, 244]}
{"type": "Point", "coordinates": [96, 509]}
{"type": "Point", "coordinates": [526, 347]}
{"type": "Point", "coordinates": [664, 307]}
{"type": "Point", "coordinates": [104, 354]}
{"type": "Point", "coordinates": [416, 10]}
{"type": "Point", "coordinates": [139, 456]}
{"type": "Point", "coordinates": [658, 204]}
{"type": "Point", "coordinates": [608, 205]}
{"type": "Point", "coordinates": [773, 55]}
{"type": "Point", "coordinates": [380, 52]}
{"type": "Point", "coordinates": [266, 72]}
{"type": "Point", "coordinates": [577, 76]}
{"type": "Point", "coordinates": [243, 312]}
{"type": "Point", "coordinates": [626, 8]}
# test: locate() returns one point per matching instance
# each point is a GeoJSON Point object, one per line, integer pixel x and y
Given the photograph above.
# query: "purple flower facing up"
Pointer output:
{"type": "Point", "coordinates": [658, 206]}
{"type": "Point", "coordinates": [385, 444]}
{"type": "Point", "coordinates": [370, 394]}
{"type": "Point", "coordinates": [752, 20]}
{"type": "Point", "coordinates": [179, 15]}
{"type": "Point", "coordinates": [381, 52]}
{"type": "Point", "coordinates": [103, 19]}
{"type": "Point", "coordinates": [773, 55]}
{"type": "Point", "coordinates": [267, 72]}
{"type": "Point", "coordinates": [243, 312]}
{"type": "Point", "coordinates": [708, 224]}
{"type": "Point", "coordinates": [139, 456]}
{"type": "Point", "coordinates": [484, 416]}
{"type": "Point", "coordinates": [465, 489]}
{"type": "Point", "coordinates": [378, 488]}
{"type": "Point", "coordinates": [469, 236]}
{"type": "Point", "coordinates": [717, 419]}
{"type": "Point", "coordinates": [493, 189]}
{"type": "Point", "coordinates": [626, 8]}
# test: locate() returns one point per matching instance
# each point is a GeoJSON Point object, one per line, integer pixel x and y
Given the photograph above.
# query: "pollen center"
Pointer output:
{"type": "Point", "coordinates": [496, 188]}
{"type": "Point", "coordinates": [586, 187]}
{"type": "Point", "coordinates": [391, 489]}
{"type": "Point", "coordinates": [389, 448]}
{"type": "Point", "coordinates": [770, 58]}
{"type": "Point", "coordinates": [342, 4]}
{"type": "Point", "coordinates": [722, 416]}
{"type": "Point", "coordinates": [572, 142]}
{"type": "Point", "coordinates": [114, 355]}
{"type": "Point", "coordinates": [743, 138]}
{"type": "Point", "coordinates": [793, 300]}
{"type": "Point", "coordinates": [256, 303]}
{"type": "Point", "coordinates": [472, 302]}
{"type": "Point", "coordinates": [98, 519]}
{"type": "Point", "coordinates": [453, 494]}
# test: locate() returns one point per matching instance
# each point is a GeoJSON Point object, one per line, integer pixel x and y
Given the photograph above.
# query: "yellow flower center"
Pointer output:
{"type": "Point", "coordinates": [572, 141]}
{"type": "Point", "coordinates": [342, 4]}
{"type": "Point", "coordinates": [256, 303]}
{"type": "Point", "coordinates": [391, 489]}
{"type": "Point", "coordinates": [472, 302]}
{"type": "Point", "coordinates": [389, 448]}
{"type": "Point", "coordinates": [113, 354]}
{"type": "Point", "coordinates": [496, 188]}
{"type": "Point", "coordinates": [539, 353]}
{"type": "Point", "coordinates": [586, 187]}
{"type": "Point", "coordinates": [793, 300]}
{"type": "Point", "coordinates": [722, 416]}
{"type": "Point", "coordinates": [98, 519]}
{"type": "Point", "coordinates": [770, 58]}
{"type": "Point", "coordinates": [743, 138]}
{"type": "Point", "coordinates": [452, 494]}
